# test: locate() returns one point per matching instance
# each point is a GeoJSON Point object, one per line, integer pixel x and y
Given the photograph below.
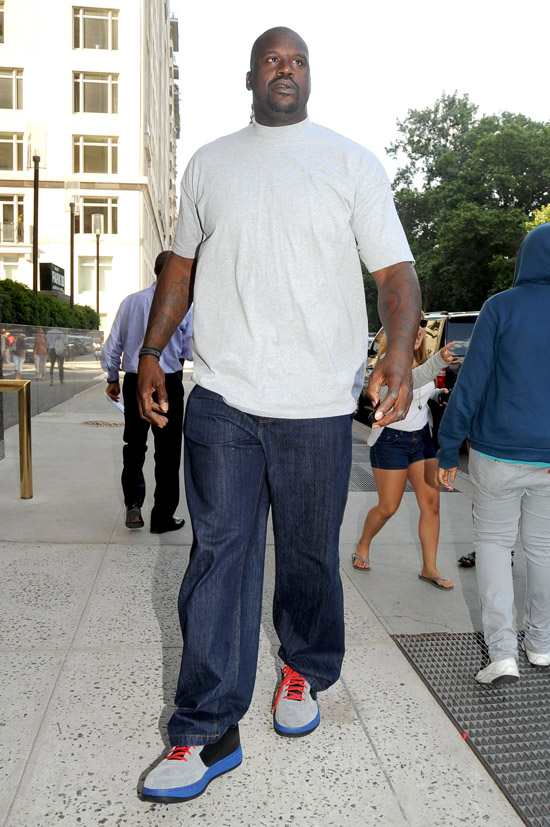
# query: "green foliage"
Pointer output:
{"type": "Point", "coordinates": [19, 305]}
{"type": "Point", "coordinates": [464, 196]}
{"type": "Point", "coordinates": [538, 217]}
{"type": "Point", "coordinates": [371, 297]}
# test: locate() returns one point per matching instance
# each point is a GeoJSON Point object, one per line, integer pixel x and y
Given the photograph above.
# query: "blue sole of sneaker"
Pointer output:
{"type": "Point", "coordinates": [297, 732]}
{"type": "Point", "coordinates": [176, 794]}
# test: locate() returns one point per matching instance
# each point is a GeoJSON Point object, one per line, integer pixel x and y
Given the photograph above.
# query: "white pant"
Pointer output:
{"type": "Point", "coordinates": [18, 362]}
{"type": "Point", "coordinates": [505, 495]}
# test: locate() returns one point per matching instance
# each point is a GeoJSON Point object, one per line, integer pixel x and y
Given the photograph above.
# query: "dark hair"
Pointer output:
{"type": "Point", "coordinates": [160, 261]}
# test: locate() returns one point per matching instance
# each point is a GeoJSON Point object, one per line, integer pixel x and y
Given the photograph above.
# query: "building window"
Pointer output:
{"type": "Point", "coordinates": [11, 150]}
{"type": "Point", "coordinates": [1, 21]}
{"type": "Point", "coordinates": [8, 267]}
{"type": "Point", "coordinates": [95, 28]}
{"type": "Point", "coordinates": [87, 269]}
{"type": "Point", "coordinates": [11, 219]}
{"type": "Point", "coordinates": [107, 207]}
{"type": "Point", "coordinates": [95, 92]}
{"type": "Point", "coordinates": [94, 154]}
{"type": "Point", "coordinates": [11, 88]}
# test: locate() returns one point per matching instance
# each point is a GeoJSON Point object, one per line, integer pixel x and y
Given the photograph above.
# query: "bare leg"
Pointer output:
{"type": "Point", "coordinates": [422, 476]}
{"type": "Point", "coordinates": [390, 485]}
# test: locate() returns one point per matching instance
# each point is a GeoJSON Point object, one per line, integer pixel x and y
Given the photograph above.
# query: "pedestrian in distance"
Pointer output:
{"type": "Point", "coordinates": [19, 352]}
{"type": "Point", "coordinates": [501, 405]}
{"type": "Point", "coordinates": [404, 451]}
{"type": "Point", "coordinates": [40, 353]}
{"type": "Point", "coordinates": [4, 347]}
{"type": "Point", "coordinates": [124, 342]}
{"type": "Point", "coordinates": [57, 344]}
{"type": "Point", "coordinates": [270, 222]}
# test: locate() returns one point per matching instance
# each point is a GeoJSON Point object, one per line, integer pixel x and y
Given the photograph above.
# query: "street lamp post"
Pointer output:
{"type": "Point", "coordinates": [36, 186]}
{"type": "Point", "coordinates": [72, 206]}
{"type": "Point", "coordinates": [97, 234]}
{"type": "Point", "coordinates": [97, 228]}
{"type": "Point", "coordinates": [36, 151]}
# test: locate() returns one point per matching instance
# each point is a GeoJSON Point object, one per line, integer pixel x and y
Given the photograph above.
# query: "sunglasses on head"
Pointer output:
{"type": "Point", "coordinates": [423, 323]}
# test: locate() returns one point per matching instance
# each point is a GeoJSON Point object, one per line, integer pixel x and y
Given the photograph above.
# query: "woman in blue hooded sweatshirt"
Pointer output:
{"type": "Point", "coordinates": [501, 402]}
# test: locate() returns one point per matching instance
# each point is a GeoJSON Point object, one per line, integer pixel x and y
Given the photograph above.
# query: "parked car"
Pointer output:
{"type": "Point", "coordinates": [77, 346]}
{"type": "Point", "coordinates": [29, 343]}
{"type": "Point", "coordinates": [443, 327]}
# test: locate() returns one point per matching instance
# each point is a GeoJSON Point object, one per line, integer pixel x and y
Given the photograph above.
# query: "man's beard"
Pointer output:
{"type": "Point", "coordinates": [288, 108]}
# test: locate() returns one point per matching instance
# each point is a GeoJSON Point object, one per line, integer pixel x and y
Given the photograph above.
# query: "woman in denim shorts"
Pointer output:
{"type": "Point", "coordinates": [406, 452]}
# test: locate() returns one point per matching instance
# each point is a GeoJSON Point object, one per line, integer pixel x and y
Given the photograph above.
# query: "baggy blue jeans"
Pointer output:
{"type": "Point", "coordinates": [237, 466]}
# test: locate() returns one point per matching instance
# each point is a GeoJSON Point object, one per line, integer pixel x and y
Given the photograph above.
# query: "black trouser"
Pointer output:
{"type": "Point", "coordinates": [167, 449]}
{"type": "Point", "coordinates": [60, 363]}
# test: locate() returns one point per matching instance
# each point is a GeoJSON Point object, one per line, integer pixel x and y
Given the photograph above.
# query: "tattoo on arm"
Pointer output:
{"type": "Point", "coordinates": [170, 303]}
{"type": "Point", "coordinates": [399, 305]}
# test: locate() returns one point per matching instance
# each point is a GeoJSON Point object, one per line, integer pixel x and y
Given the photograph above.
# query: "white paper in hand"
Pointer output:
{"type": "Point", "coordinates": [118, 405]}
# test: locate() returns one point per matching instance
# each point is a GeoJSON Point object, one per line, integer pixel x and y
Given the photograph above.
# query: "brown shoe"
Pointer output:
{"type": "Point", "coordinates": [133, 517]}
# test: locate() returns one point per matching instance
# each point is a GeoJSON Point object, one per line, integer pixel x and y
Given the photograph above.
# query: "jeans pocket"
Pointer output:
{"type": "Point", "coordinates": [388, 436]}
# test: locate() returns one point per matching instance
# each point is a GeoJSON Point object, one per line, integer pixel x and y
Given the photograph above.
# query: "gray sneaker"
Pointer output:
{"type": "Point", "coordinates": [186, 772]}
{"type": "Point", "coordinates": [296, 711]}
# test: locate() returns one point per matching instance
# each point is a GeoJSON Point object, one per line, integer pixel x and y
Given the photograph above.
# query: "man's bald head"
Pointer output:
{"type": "Point", "coordinates": [277, 32]}
{"type": "Point", "coordinates": [279, 77]}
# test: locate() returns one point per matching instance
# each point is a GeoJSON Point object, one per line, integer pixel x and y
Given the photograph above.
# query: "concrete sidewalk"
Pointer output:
{"type": "Point", "coordinates": [90, 650]}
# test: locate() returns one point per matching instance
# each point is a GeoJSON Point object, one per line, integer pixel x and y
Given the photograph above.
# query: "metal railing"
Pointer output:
{"type": "Point", "coordinates": [23, 389]}
{"type": "Point", "coordinates": [11, 233]}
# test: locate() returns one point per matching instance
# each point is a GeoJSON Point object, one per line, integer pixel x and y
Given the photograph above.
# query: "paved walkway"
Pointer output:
{"type": "Point", "coordinates": [90, 647]}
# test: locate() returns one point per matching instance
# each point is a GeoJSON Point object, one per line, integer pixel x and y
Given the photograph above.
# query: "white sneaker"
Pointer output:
{"type": "Point", "coordinates": [535, 659]}
{"type": "Point", "coordinates": [500, 671]}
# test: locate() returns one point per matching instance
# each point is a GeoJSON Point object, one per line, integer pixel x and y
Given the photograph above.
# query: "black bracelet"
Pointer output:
{"type": "Point", "coordinates": [150, 351]}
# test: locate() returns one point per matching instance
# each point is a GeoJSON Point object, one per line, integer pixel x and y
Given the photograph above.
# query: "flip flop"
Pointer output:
{"type": "Point", "coordinates": [433, 581]}
{"type": "Point", "coordinates": [355, 557]}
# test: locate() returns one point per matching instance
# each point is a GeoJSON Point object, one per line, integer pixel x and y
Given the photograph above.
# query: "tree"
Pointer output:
{"type": "Point", "coordinates": [464, 194]}
{"type": "Point", "coordinates": [539, 217]}
{"type": "Point", "coordinates": [19, 305]}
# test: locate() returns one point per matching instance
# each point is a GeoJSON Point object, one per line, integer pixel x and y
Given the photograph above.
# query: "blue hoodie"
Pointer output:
{"type": "Point", "coordinates": [501, 400]}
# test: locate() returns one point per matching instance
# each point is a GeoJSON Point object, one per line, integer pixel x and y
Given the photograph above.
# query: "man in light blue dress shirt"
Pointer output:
{"type": "Point", "coordinates": [125, 340]}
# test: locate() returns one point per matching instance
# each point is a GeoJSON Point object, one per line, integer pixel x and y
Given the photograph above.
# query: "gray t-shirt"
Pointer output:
{"type": "Point", "coordinates": [276, 217]}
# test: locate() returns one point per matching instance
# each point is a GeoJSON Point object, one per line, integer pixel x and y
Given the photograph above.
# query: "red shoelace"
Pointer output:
{"type": "Point", "coordinates": [179, 753]}
{"type": "Point", "coordinates": [293, 686]}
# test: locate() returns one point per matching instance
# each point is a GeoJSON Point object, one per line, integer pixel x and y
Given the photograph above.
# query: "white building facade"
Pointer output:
{"type": "Point", "coordinates": [91, 89]}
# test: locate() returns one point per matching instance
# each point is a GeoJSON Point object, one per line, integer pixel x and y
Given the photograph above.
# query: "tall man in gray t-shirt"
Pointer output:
{"type": "Point", "coordinates": [271, 220]}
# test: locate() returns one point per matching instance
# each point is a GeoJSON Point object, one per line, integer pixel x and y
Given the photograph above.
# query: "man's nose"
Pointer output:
{"type": "Point", "coordinates": [285, 68]}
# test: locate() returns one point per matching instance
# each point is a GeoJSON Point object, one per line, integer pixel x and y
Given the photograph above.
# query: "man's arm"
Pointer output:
{"type": "Point", "coordinates": [399, 310]}
{"type": "Point", "coordinates": [173, 296]}
{"type": "Point", "coordinates": [111, 353]}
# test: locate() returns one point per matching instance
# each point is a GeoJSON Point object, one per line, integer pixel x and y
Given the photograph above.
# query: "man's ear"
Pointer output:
{"type": "Point", "coordinates": [248, 86]}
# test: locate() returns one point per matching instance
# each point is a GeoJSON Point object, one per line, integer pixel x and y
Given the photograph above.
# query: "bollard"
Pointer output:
{"type": "Point", "coordinates": [23, 388]}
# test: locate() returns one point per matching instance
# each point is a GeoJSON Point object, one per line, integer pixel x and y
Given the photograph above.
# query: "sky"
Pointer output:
{"type": "Point", "coordinates": [371, 61]}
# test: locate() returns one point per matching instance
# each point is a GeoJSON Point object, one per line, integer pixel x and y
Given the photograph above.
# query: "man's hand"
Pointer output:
{"type": "Point", "coordinates": [171, 302]}
{"type": "Point", "coordinates": [445, 476]}
{"type": "Point", "coordinates": [399, 310]}
{"type": "Point", "coordinates": [113, 391]}
{"type": "Point", "coordinates": [151, 381]}
{"type": "Point", "coordinates": [394, 370]}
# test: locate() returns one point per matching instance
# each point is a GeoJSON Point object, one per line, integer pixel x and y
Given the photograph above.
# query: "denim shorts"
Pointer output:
{"type": "Point", "coordinates": [395, 450]}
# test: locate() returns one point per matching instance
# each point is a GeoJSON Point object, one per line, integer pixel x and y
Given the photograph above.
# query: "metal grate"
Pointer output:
{"type": "Point", "coordinates": [507, 727]}
{"type": "Point", "coordinates": [362, 478]}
